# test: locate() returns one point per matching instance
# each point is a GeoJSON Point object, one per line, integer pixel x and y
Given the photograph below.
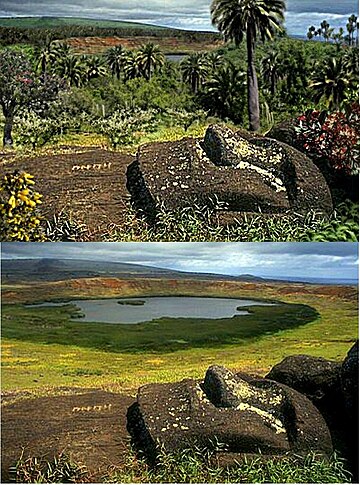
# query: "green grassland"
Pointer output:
{"type": "Point", "coordinates": [55, 22]}
{"type": "Point", "coordinates": [49, 325]}
{"type": "Point", "coordinates": [43, 350]}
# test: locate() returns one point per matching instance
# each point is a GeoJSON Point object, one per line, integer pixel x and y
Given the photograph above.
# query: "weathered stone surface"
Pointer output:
{"type": "Point", "coordinates": [247, 416]}
{"type": "Point", "coordinates": [350, 392]}
{"type": "Point", "coordinates": [333, 388]}
{"type": "Point", "coordinates": [242, 173]}
{"type": "Point", "coordinates": [317, 378]}
{"type": "Point", "coordinates": [350, 380]}
{"type": "Point", "coordinates": [284, 132]}
{"type": "Point", "coordinates": [225, 389]}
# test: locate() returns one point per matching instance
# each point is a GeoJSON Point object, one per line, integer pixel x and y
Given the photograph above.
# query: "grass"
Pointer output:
{"type": "Point", "coordinates": [36, 470]}
{"type": "Point", "coordinates": [198, 223]}
{"type": "Point", "coordinates": [49, 325]}
{"type": "Point", "coordinates": [199, 466]}
{"type": "Point", "coordinates": [188, 466]}
{"type": "Point", "coordinates": [42, 359]}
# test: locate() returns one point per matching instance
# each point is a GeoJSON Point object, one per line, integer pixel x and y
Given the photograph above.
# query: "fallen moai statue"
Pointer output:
{"type": "Point", "coordinates": [245, 415]}
{"type": "Point", "coordinates": [236, 172]}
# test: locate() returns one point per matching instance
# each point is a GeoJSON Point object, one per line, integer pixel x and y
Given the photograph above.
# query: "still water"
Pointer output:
{"type": "Point", "coordinates": [137, 310]}
{"type": "Point", "coordinates": [175, 57]}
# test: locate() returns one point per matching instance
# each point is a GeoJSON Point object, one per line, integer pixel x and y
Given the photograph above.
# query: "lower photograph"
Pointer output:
{"type": "Point", "coordinates": [179, 363]}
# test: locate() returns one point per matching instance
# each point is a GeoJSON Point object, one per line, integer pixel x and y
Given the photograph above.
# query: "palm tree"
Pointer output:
{"type": "Point", "coordinates": [312, 32]}
{"type": "Point", "coordinates": [338, 37]}
{"type": "Point", "coordinates": [45, 55]}
{"type": "Point", "coordinates": [131, 66]}
{"type": "Point", "coordinates": [94, 66]}
{"type": "Point", "coordinates": [150, 58]}
{"type": "Point", "coordinates": [194, 69]}
{"type": "Point", "coordinates": [332, 82]}
{"type": "Point", "coordinates": [270, 70]}
{"type": "Point", "coordinates": [115, 59]}
{"type": "Point", "coordinates": [325, 30]}
{"type": "Point", "coordinates": [351, 62]}
{"type": "Point", "coordinates": [72, 69]}
{"type": "Point", "coordinates": [61, 49]}
{"type": "Point", "coordinates": [214, 60]}
{"type": "Point", "coordinates": [249, 18]}
{"type": "Point", "coordinates": [224, 92]}
{"type": "Point", "coordinates": [352, 26]}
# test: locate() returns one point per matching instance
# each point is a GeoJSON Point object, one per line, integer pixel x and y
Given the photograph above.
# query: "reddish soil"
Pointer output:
{"type": "Point", "coordinates": [89, 185]}
{"type": "Point", "coordinates": [107, 287]}
{"type": "Point", "coordinates": [88, 427]}
{"type": "Point", "coordinates": [97, 45]}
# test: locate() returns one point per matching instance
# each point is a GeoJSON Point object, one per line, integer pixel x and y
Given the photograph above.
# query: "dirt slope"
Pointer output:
{"type": "Point", "coordinates": [90, 427]}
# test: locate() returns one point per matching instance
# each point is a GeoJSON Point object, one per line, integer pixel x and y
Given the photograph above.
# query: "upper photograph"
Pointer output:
{"type": "Point", "coordinates": [175, 120]}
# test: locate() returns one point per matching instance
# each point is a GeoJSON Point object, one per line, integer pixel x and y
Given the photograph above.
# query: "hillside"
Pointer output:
{"type": "Point", "coordinates": [36, 30]}
{"type": "Point", "coordinates": [59, 269]}
{"type": "Point", "coordinates": [56, 22]}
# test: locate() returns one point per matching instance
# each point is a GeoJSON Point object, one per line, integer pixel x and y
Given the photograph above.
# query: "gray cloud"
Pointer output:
{"type": "Point", "coordinates": [177, 13]}
{"type": "Point", "coordinates": [335, 260]}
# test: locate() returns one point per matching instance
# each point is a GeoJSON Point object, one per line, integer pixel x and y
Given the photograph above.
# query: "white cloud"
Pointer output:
{"type": "Point", "coordinates": [177, 13]}
{"type": "Point", "coordinates": [261, 259]}
{"type": "Point", "coordinates": [298, 23]}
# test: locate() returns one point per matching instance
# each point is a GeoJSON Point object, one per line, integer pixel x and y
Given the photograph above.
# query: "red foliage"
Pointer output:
{"type": "Point", "coordinates": [333, 138]}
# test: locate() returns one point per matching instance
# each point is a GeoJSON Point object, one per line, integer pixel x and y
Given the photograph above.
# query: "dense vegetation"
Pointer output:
{"type": "Point", "coordinates": [50, 94]}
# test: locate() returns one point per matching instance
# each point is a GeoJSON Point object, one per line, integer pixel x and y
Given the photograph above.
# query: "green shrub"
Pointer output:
{"type": "Point", "coordinates": [19, 217]}
{"type": "Point", "coordinates": [122, 128]}
{"type": "Point", "coordinates": [36, 130]}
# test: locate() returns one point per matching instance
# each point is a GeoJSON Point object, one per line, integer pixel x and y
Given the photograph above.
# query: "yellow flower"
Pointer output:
{"type": "Point", "coordinates": [12, 202]}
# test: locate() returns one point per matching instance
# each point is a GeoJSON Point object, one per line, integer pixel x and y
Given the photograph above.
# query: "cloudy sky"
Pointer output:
{"type": "Point", "coordinates": [321, 260]}
{"type": "Point", "coordinates": [187, 14]}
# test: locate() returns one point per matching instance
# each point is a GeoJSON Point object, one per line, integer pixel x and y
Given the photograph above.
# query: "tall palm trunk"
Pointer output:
{"type": "Point", "coordinates": [252, 82]}
{"type": "Point", "coordinates": [273, 83]}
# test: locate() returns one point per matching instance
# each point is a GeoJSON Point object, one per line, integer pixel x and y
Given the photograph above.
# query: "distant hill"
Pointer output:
{"type": "Point", "coordinates": [14, 271]}
{"type": "Point", "coordinates": [17, 270]}
{"type": "Point", "coordinates": [56, 22]}
{"type": "Point", "coordinates": [48, 22]}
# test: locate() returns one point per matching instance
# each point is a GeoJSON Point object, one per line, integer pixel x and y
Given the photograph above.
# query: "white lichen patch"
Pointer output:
{"type": "Point", "coordinates": [275, 182]}
{"type": "Point", "coordinates": [241, 389]}
{"type": "Point", "coordinates": [244, 149]}
{"type": "Point", "coordinates": [201, 394]}
{"type": "Point", "coordinates": [275, 423]}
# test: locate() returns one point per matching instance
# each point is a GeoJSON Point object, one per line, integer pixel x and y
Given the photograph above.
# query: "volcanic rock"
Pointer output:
{"type": "Point", "coordinates": [317, 378]}
{"type": "Point", "coordinates": [229, 172]}
{"type": "Point", "coordinates": [334, 389]}
{"type": "Point", "coordinates": [248, 416]}
{"type": "Point", "coordinates": [284, 132]}
{"type": "Point", "coordinates": [350, 380]}
{"type": "Point", "coordinates": [350, 391]}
